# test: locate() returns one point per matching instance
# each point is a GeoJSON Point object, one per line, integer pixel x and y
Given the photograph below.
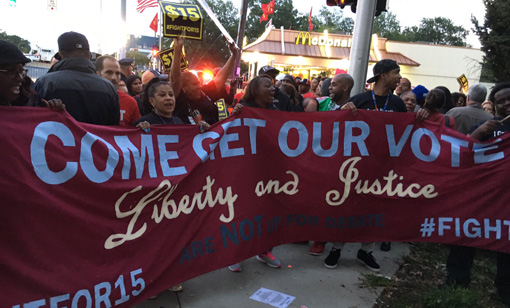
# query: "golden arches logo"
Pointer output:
{"type": "Point", "coordinates": [303, 37]}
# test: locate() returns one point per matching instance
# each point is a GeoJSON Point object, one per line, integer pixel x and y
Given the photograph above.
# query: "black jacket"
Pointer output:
{"type": "Point", "coordinates": [88, 97]}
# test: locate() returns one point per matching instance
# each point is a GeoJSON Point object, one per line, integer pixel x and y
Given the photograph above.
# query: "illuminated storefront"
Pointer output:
{"type": "Point", "coordinates": [308, 55]}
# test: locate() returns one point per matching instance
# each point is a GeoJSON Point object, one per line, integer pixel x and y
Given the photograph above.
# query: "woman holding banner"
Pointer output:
{"type": "Point", "coordinates": [259, 94]}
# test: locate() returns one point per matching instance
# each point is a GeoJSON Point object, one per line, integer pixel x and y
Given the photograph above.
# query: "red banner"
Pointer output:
{"type": "Point", "coordinates": [95, 216]}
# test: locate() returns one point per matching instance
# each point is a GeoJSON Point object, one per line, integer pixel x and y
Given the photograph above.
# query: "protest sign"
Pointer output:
{"type": "Point", "coordinates": [110, 216]}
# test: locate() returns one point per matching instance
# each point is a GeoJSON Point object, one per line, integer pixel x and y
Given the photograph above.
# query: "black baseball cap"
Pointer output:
{"type": "Point", "coordinates": [71, 41]}
{"type": "Point", "coordinates": [268, 70]}
{"type": "Point", "coordinates": [10, 54]}
{"type": "Point", "coordinates": [381, 67]}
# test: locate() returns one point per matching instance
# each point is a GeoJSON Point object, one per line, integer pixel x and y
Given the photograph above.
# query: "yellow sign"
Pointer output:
{"type": "Point", "coordinates": [321, 40]}
{"type": "Point", "coordinates": [222, 109]}
{"type": "Point", "coordinates": [464, 84]}
{"type": "Point", "coordinates": [167, 56]}
{"type": "Point", "coordinates": [182, 19]}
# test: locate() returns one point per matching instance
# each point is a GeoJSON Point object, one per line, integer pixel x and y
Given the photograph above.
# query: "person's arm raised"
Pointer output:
{"type": "Point", "coordinates": [175, 69]}
{"type": "Point", "coordinates": [226, 70]}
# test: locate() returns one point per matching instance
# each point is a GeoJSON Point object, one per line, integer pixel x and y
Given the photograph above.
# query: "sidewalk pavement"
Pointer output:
{"type": "Point", "coordinates": [301, 275]}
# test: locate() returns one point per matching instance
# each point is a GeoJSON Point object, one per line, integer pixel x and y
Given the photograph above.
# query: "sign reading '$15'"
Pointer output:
{"type": "Point", "coordinates": [182, 19]}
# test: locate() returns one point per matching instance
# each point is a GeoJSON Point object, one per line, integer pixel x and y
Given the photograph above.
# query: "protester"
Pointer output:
{"type": "Point", "coordinates": [340, 91]}
{"type": "Point", "coordinates": [461, 258]}
{"type": "Point", "coordinates": [458, 99]}
{"type": "Point", "coordinates": [108, 67]}
{"type": "Point", "coordinates": [435, 99]}
{"type": "Point", "coordinates": [135, 89]}
{"type": "Point", "coordinates": [313, 85]}
{"type": "Point", "coordinates": [318, 92]}
{"type": "Point", "coordinates": [149, 74]}
{"type": "Point", "coordinates": [304, 89]}
{"type": "Point", "coordinates": [386, 78]}
{"type": "Point", "coordinates": [472, 113]}
{"type": "Point", "coordinates": [55, 58]}
{"type": "Point", "coordinates": [259, 94]}
{"type": "Point", "coordinates": [161, 98]}
{"type": "Point", "coordinates": [12, 62]}
{"type": "Point", "coordinates": [489, 107]}
{"type": "Point", "coordinates": [88, 97]}
{"type": "Point", "coordinates": [420, 92]}
{"type": "Point", "coordinates": [195, 102]}
{"type": "Point", "coordinates": [448, 104]}
{"type": "Point", "coordinates": [404, 85]}
{"type": "Point", "coordinates": [134, 85]}
{"type": "Point", "coordinates": [282, 101]}
{"type": "Point", "coordinates": [126, 68]}
{"type": "Point", "coordinates": [310, 105]}
{"type": "Point", "coordinates": [291, 92]}
{"type": "Point", "coordinates": [409, 99]}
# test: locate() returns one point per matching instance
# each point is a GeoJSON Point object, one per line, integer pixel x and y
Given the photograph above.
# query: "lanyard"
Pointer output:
{"type": "Point", "coordinates": [375, 103]}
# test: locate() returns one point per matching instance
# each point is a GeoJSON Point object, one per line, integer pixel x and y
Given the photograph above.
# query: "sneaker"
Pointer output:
{"type": "Point", "coordinates": [317, 248]}
{"type": "Point", "coordinates": [269, 259]}
{"type": "Point", "coordinates": [368, 260]}
{"type": "Point", "coordinates": [236, 268]}
{"type": "Point", "coordinates": [332, 259]}
{"type": "Point", "coordinates": [385, 246]}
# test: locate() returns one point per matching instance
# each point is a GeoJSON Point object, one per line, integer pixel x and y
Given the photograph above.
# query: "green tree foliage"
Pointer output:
{"type": "Point", "coordinates": [140, 58]}
{"type": "Point", "coordinates": [386, 25]}
{"type": "Point", "coordinates": [495, 40]}
{"type": "Point", "coordinates": [441, 31]}
{"type": "Point", "coordinates": [333, 20]}
{"type": "Point", "coordinates": [212, 51]}
{"type": "Point", "coordinates": [21, 43]}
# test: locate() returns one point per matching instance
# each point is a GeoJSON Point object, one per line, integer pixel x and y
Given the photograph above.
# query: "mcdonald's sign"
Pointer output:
{"type": "Point", "coordinates": [303, 37]}
{"type": "Point", "coordinates": [321, 40]}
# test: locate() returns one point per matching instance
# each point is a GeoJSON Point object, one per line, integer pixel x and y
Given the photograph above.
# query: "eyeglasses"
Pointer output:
{"type": "Point", "coordinates": [13, 73]}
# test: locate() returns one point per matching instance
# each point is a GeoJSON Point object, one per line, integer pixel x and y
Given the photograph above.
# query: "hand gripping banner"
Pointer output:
{"type": "Point", "coordinates": [97, 216]}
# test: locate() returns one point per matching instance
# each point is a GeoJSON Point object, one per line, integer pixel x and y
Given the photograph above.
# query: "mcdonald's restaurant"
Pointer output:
{"type": "Point", "coordinates": [308, 55]}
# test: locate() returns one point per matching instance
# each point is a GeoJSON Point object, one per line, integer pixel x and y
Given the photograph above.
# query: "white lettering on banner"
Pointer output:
{"type": "Point", "coordinates": [274, 186]}
{"type": "Point", "coordinates": [169, 207]}
{"type": "Point", "coordinates": [225, 151]}
{"type": "Point", "coordinates": [101, 294]}
{"type": "Point", "coordinates": [87, 159]}
{"type": "Point", "coordinates": [348, 174]}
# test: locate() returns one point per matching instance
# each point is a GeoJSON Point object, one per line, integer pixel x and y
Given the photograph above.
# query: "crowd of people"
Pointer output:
{"type": "Point", "coordinates": [108, 93]}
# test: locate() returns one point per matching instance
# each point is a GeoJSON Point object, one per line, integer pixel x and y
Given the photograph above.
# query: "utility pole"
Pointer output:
{"type": "Point", "coordinates": [122, 53]}
{"type": "Point", "coordinates": [360, 49]}
{"type": "Point", "coordinates": [240, 38]}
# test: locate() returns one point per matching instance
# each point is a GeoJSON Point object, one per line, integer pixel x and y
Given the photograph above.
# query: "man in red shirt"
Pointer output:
{"type": "Point", "coordinates": [108, 67]}
{"type": "Point", "coordinates": [304, 88]}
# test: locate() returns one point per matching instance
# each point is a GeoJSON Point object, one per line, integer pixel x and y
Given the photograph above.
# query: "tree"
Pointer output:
{"type": "Point", "coordinates": [438, 30]}
{"type": "Point", "coordinates": [284, 15]}
{"type": "Point", "coordinates": [386, 25]}
{"type": "Point", "coordinates": [212, 51]}
{"type": "Point", "coordinates": [140, 58]}
{"type": "Point", "coordinates": [333, 20]}
{"type": "Point", "coordinates": [21, 43]}
{"type": "Point", "coordinates": [495, 40]}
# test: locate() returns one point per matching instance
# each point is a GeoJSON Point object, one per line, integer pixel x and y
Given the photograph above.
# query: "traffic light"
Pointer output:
{"type": "Point", "coordinates": [382, 5]}
{"type": "Point", "coordinates": [155, 50]}
{"type": "Point", "coordinates": [341, 3]}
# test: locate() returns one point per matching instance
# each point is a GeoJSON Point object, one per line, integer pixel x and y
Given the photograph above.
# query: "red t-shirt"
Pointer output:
{"type": "Point", "coordinates": [129, 111]}
{"type": "Point", "coordinates": [309, 95]}
{"type": "Point", "coordinates": [441, 119]}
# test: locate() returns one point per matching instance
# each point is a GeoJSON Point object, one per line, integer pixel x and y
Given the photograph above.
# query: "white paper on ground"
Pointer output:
{"type": "Point", "coordinates": [273, 298]}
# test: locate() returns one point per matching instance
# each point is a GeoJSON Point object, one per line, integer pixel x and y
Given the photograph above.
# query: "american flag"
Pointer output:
{"type": "Point", "coordinates": [143, 4]}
